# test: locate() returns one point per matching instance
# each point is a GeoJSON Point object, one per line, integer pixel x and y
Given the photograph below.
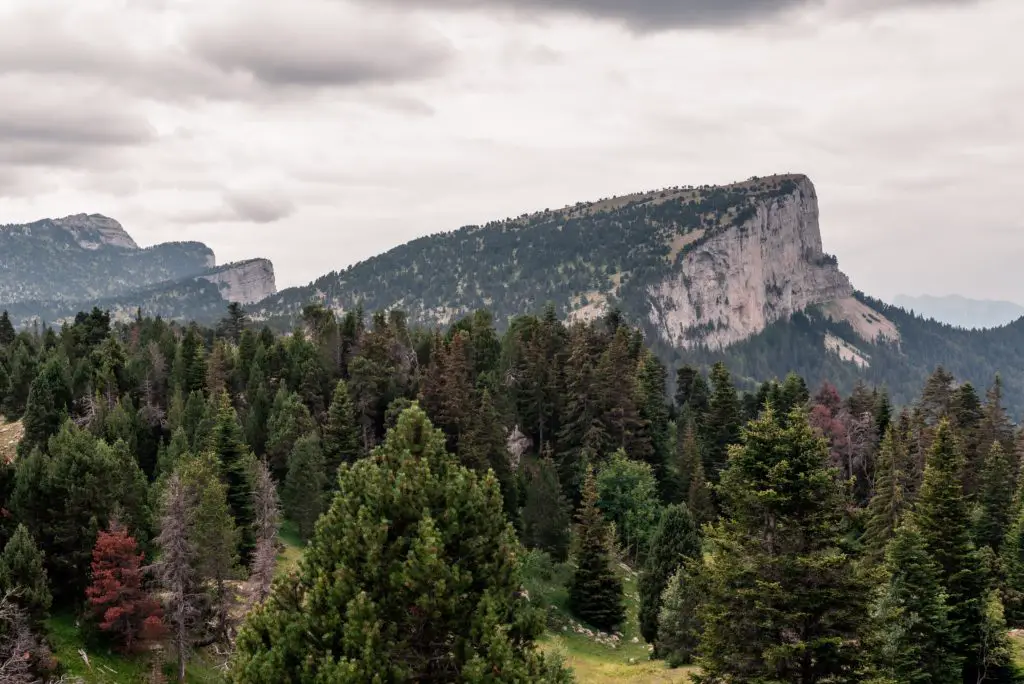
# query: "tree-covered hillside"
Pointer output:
{"type": "Point", "coordinates": [75, 261]}
{"type": "Point", "coordinates": [593, 252]}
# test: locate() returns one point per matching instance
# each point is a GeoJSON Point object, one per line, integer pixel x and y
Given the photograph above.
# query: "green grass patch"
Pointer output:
{"type": "Point", "coordinates": [289, 557]}
{"type": "Point", "coordinates": [108, 667]}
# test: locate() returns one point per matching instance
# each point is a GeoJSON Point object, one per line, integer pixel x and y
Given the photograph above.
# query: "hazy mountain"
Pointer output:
{"type": "Point", "coordinates": [961, 311]}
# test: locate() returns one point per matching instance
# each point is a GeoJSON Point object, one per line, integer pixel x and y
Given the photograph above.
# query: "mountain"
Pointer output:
{"type": "Point", "coordinates": [735, 273]}
{"type": "Point", "coordinates": [961, 311]}
{"type": "Point", "coordinates": [53, 268]}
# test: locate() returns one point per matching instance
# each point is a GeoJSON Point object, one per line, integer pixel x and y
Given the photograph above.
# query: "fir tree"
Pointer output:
{"type": "Point", "coordinates": [546, 512]}
{"type": "Point", "coordinates": [289, 420]}
{"type": "Point", "coordinates": [887, 506]}
{"type": "Point", "coordinates": [693, 488]}
{"type": "Point", "coordinates": [679, 626]}
{"type": "Point", "coordinates": [595, 594]}
{"type": "Point", "coordinates": [341, 441]}
{"type": "Point", "coordinates": [914, 642]}
{"type": "Point", "coordinates": [721, 426]}
{"type": "Point", "coordinates": [7, 334]}
{"type": "Point", "coordinates": [22, 573]}
{"type": "Point", "coordinates": [941, 514]}
{"type": "Point", "coordinates": [675, 541]}
{"type": "Point", "coordinates": [257, 399]}
{"type": "Point", "coordinates": [995, 498]}
{"type": "Point", "coordinates": [654, 413]}
{"type": "Point", "coordinates": [117, 600]}
{"type": "Point", "coordinates": [49, 398]}
{"type": "Point", "coordinates": [306, 484]}
{"type": "Point", "coordinates": [783, 602]}
{"type": "Point", "coordinates": [483, 446]}
{"type": "Point", "coordinates": [423, 597]}
{"type": "Point", "coordinates": [227, 444]}
{"type": "Point", "coordinates": [1012, 564]}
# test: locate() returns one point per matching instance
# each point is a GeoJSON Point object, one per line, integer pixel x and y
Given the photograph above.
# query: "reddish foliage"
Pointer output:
{"type": "Point", "coordinates": [118, 600]}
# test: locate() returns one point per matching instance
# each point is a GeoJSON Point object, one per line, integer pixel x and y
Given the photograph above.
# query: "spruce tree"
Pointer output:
{"type": "Point", "coordinates": [289, 420]}
{"type": "Point", "coordinates": [546, 512]}
{"type": "Point", "coordinates": [676, 540]}
{"type": "Point", "coordinates": [430, 592]}
{"type": "Point", "coordinates": [595, 593]}
{"type": "Point", "coordinates": [483, 446]}
{"type": "Point", "coordinates": [941, 514]}
{"type": "Point", "coordinates": [305, 485]}
{"type": "Point", "coordinates": [22, 572]}
{"type": "Point", "coordinates": [49, 399]}
{"type": "Point", "coordinates": [886, 508]}
{"type": "Point", "coordinates": [679, 626]}
{"type": "Point", "coordinates": [341, 441]}
{"type": "Point", "coordinates": [721, 426]}
{"type": "Point", "coordinates": [1011, 559]}
{"type": "Point", "coordinates": [258, 405]}
{"type": "Point", "coordinates": [783, 601]}
{"type": "Point", "coordinates": [227, 445]}
{"type": "Point", "coordinates": [6, 330]}
{"type": "Point", "coordinates": [654, 412]}
{"type": "Point", "coordinates": [693, 488]}
{"type": "Point", "coordinates": [995, 498]}
{"type": "Point", "coordinates": [914, 640]}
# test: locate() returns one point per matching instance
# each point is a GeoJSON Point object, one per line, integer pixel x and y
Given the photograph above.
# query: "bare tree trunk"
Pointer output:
{"type": "Point", "coordinates": [268, 522]}
{"type": "Point", "coordinates": [175, 568]}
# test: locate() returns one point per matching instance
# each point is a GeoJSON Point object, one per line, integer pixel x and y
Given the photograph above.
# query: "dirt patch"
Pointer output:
{"type": "Point", "coordinates": [10, 435]}
{"type": "Point", "coordinates": [870, 325]}
{"type": "Point", "coordinates": [681, 241]}
{"type": "Point", "coordinates": [845, 351]}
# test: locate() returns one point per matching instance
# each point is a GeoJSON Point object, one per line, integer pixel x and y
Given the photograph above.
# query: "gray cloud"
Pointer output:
{"type": "Point", "coordinates": [654, 15]}
{"type": "Point", "coordinates": [259, 206]}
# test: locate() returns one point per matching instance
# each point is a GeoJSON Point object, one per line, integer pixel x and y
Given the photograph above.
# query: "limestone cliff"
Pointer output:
{"type": "Point", "coordinates": [736, 281]}
{"type": "Point", "coordinates": [93, 231]}
{"type": "Point", "coordinates": [245, 282]}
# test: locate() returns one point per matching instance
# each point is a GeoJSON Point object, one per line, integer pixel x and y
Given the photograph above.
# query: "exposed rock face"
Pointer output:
{"type": "Point", "coordinates": [245, 282]}
{"type": "Point", "coordinates": [92, 231]}
{"type": "Point", "coordinates": [742, 279]}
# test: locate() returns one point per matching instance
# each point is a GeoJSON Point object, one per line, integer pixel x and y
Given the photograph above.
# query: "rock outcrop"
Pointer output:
{"type": "Point", "coordinates": [739, 280]}
{"type": "Point", "coordinates": [92, 231]}
{"type": "Point", "coordinates": [245, 282]}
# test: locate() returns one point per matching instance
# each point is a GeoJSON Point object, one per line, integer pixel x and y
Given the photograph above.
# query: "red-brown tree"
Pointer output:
{"type": "Point", "coordinates": [118, 601]}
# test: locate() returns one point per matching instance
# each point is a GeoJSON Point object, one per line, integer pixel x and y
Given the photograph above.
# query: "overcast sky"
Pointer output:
{"type": "Point", "coordinates": [320, 132]}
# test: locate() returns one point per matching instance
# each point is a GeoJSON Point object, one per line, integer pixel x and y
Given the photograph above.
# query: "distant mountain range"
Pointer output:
{"type": "Point", "coordinates": [53, 268]}
{"type": "Point", "coordinates": [734, 272]}
{"type": "Point", "coordinates": [961, 311]}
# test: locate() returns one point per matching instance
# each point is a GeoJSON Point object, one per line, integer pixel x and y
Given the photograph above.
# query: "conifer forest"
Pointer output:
{"type": "Point", "coordinates": [366, 500]}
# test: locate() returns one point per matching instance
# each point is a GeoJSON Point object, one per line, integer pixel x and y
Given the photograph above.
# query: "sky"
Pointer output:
{"type": "Point", "coordinates": [318, 133]}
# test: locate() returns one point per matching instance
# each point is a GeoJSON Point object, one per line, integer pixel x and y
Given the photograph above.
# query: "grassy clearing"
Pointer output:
{"type": "Point", "coordinates": [107, 667]}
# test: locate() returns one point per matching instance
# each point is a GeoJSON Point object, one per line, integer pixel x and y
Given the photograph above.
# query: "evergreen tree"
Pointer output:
{"type": "Point", "coordinates": [676, 540]}
{"type": "Point", "coordinates": [941, 513]}
{"type": "Point", "coordinates": [289, 420]}
{"type": "Point", "coordinates": [692, 391]}
{"type": "Point", "coordinates": [628, 497]}
{"type": "Point", "coordinates": [483, 446]}
{"type": "Point", "coordinates": [995, 498]}
{"type": "Point", "coordinates": [7, 334]}
{"type": "Point", "coordinates": [1012, 564]}
{"type": "Point", "coordinates": [887, 506]}
{"type": "Point", "coordinates": [595, 594]}
{"type": "Point", "coordinates": [546, 512]}
{"type": "Point", "coordinates": [235, 460]}
{"type": "Point", "coordinates": [654, 413]}
{"type": "Point", "coordinates": [22, 573]}
{"type": "Point", "coordinates": [341, 441]}
{"type": "Point", "coordinates": [721, 426]}
{"type": "Point", "coordinates": [424, 597]}
{"type": "Point", "coordinates": [914, 638]}
{"type": "Point", "coordinates": [679, 624]}
{"type": "Point", "coordinates": [49, 398]}
{"type": "Point", "coordinates": [117, 600]}
{"type": "Point", "coordinates": [257, 399]}
{"type": "Point", "coordinates": [693, 488]}
{"type": "Point", "coordinates": [306, 484]}
{"type": "Point", "coordinates": [783, 601]}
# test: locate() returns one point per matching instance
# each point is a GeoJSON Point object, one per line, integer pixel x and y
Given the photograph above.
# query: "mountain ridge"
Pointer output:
{"type": "Point", "coordinates": [960, 311]}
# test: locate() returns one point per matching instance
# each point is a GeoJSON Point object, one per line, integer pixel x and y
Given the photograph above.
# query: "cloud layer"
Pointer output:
{"type": "Point", "coordinates": [321, 132]}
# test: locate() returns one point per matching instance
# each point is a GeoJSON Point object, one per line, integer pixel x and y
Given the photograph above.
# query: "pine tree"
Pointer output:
{"type": "Point", "coordinates": [117, 600]}
{"type": "Point", "coordinates": [341, 441]}
{"type": "Point", "coordinates": [783, 601]}
{"type": "Point", "coordinates": [679, 626]}
{"type": "Point", "coordinates": [289, 420]}
{"type": "Point", "coordinates": [995, 498]}
{"type": "Point", "coordinates": [546, 512]}
{"type": "Point", "coordinates": [423, 596]}
{"type": "Point", "coordinates": [22, 573]}
{"type": "Point", "coordinates": [941, 514]}
{"type": "Point", "coordinates": [914, 638]}
{"type": "Point", "coordinates": [886, 508]}
{"type": "Point", "coordinates": [213, 532]}
{"type": "Point", "coordinates": [721, 426]}
{"type": "Point", "coordinates": [595, 594]}
{"type": "Point", "coordinates": [676, 540]}
{"type": "Point", "coordinates": [227, 444]}
{"type": "Point", "coordinates": [306, 484]}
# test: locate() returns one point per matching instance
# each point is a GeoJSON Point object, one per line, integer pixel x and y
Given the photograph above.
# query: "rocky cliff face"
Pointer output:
{"type": "Point", "coordinates": [741, 279]}
{"type": "Point", "coordinates": [245, 282]}
{"type": "Point", "coordinates": [93, 231]}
